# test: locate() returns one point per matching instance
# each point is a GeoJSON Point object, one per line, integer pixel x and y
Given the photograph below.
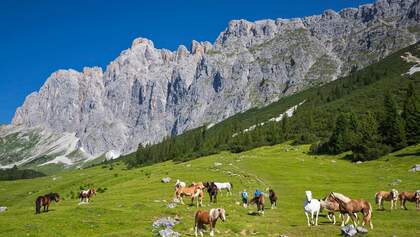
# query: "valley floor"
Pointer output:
{"type": "Point", "coordinates": [135, 198]}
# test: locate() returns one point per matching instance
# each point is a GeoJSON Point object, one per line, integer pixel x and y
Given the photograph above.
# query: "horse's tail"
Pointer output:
{"type": "Point", "coordinates": [369, 215]}
{"type": "Point", "coordinates": [38, 205]}
{"type": "Point", "coordinates": [231, 185]}
{"type": "Point", "coordinates": [377, 198]}
{"type": "Point", "coordinates": [196, 217]}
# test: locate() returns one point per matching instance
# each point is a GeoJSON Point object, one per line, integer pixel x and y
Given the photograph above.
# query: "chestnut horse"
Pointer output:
{"type": "Point", "coordinates": [259, 201]}
{"type": "Point", "coordinates": [86, 194]}
{"type": "Point", "coordinates": [355, 206]}
{"type": "Point", "coordinates": [332, 206]}
{"type": "Point", "coordinates": [411, 197]}
{"type": "Point", "coordinates": [195, 191]}
{"type": "Point", "coordinates": [45, 201]}
{"type": "Point", "coordinates": [208, 218]}
{"type": "Point", "coordinates": [382, 196]}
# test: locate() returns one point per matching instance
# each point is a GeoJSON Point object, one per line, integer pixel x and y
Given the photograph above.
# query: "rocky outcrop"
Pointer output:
{"type": "Point", "coordinates": [146, 93]}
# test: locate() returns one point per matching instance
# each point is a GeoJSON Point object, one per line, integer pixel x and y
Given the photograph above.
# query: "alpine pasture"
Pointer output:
{"type": "Point", "coordinates": [134, 198]}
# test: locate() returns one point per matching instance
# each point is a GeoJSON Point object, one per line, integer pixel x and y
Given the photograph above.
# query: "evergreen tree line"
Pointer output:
{"type": "Point", "coordinates": [348, 114]}
{"type": "Point", "coordinates": [15, 173]}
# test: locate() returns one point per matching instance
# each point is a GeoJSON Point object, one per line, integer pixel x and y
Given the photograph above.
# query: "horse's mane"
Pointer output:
{"type": "Point", "coordinates": [215, 213]}
{"type": "Point", "coordinates": [341, 197]}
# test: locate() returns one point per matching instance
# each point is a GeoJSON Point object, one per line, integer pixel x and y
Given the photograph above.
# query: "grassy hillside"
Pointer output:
{"type": "Point", "coordinates": [133, 198]}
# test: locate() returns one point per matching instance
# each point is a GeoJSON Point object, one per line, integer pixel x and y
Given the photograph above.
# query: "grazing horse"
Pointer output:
{"type": "Point", "coordinates": [212, 190]}
{"type": "Point", "coordinates": [411, 197]}
{"type": "Point", "coordinates": [354, 206]}
{"type": "Point", "coordinates": [259, 201]}
{"type": "Point", "coordinates": [180, 184]}
{"type": "Point", "coordinates": [331, 205]}
{"type": "Point", "coordinates": [228, 186]}
{"type": "Point", "coordinates": [195, 191]}
{"type": "Point", "coordinates": [273, 198]}
{"type": "Point", "coordinates": [45, 201]}
{"type": "Point", "coordinates": [382, 196]}
{"type": "Point", "coordinates": [208, 218]}
{"type": "Point", "coordinates": [312, 206]}
{"type": "Point", "coordinates": [84, 195]}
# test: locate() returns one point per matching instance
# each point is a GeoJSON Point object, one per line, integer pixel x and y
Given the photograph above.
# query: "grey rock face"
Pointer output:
{"type": "Point", "coordinates": [146, 93]}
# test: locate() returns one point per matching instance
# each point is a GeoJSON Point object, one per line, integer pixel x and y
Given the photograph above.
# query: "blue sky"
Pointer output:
{"type": "Point", "coordinates": [39, 37]}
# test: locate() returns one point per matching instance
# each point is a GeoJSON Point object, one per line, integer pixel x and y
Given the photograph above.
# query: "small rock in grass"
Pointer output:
{"type": "Point", "coordinates": [361, 230]}
{"type": "Point", "coordinates": [165, 180]}
{"type": "Point", "coordinates": [3, 209]}
{"type": "Point", "coordinates": [169, 233]}
{"type": "Point", "coordinates": [165, 222]}
{"type": "Point", "coordinates": [348, 230]}
{"type": "Point", "coordinates": [217, 164]}
{"type": "Point", "coordinates": [359, 162]}
{"type": "Point", "coordinates": [333, 161]}
{"type": "Point", "coordinates": [395, 182]}
{"type": "Point", "coordinates": [415, 168]}
{"type": "Point", "coordinates": [188, 165]}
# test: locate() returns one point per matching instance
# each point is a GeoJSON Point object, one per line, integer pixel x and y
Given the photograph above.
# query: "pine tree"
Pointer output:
{"type": "Point", "coordinates": [392, 126]}
{"type": "Point", "coordinates": [368, 146]}
{"type": "Point", "coordinates": [411, 116]}
{"type": "Point", "coordinates": [344, 135]}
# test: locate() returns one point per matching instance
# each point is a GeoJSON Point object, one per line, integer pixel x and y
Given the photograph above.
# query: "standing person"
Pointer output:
{"type": "Point", "coordinates": [257, 193]}
{"type": "Point", "coordinates": [244, 196]}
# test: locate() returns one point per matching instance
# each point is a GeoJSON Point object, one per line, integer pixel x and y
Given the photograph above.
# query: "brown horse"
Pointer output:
{"type": "Point", "coordinates": [203, 218]}
{"type": "Point", "coordinates": [212, 190]}
{"type": "Point", "coordinates": [45, 201]}
{"type": "Point", "coordinates": [194, 191]}
{"type": "Point", "coordinates": [411, 197]}
{"type": "Point", "coordinates": [273, 198]}
{"type": "Point", "coordinates": [355, 206]}
{"type": "Point", "coordinates": [259, 201]}
{"type": "Point", "coordinates": [332, 206]}
{"type": "Point", "coordinates": [382, 196]}
{"type": "Point", "coordinates": [86, 194]}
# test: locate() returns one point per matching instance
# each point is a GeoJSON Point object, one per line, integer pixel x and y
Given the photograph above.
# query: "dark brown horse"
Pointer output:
{"type": "Point", "coordinates": [212, 190]}
{"type": "Point", "coordinates": [45, 201]}
{"type": "Point", "coordinates": [259, 201]}
{"type": "Point", "coordinates": [273, 198]}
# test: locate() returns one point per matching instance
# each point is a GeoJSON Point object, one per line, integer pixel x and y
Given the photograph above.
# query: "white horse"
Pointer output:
{"type": "Point", "coordinates": [180, 184]}
{"type": "Point", "coordinates": [312, 206]}
{"type": "Point", "coordinates": [227, 186]}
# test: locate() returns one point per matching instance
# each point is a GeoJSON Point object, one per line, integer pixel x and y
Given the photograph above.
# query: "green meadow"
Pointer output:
{"type": "Point", "coordinates": [134, 198]}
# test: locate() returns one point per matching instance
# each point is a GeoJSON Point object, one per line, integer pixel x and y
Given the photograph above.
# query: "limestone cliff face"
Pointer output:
{"type": "Point", "coordinates": [146, 93]}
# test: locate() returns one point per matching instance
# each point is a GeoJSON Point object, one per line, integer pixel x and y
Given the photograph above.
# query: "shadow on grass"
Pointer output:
{"type": "Point", "coordinates": [408, 154]}
{"type": "Point", "coordinates": [254, 213]}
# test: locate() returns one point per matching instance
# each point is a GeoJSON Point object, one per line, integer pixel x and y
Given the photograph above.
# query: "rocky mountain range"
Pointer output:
{"type": "Point", "coordinates": [147, 93]}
